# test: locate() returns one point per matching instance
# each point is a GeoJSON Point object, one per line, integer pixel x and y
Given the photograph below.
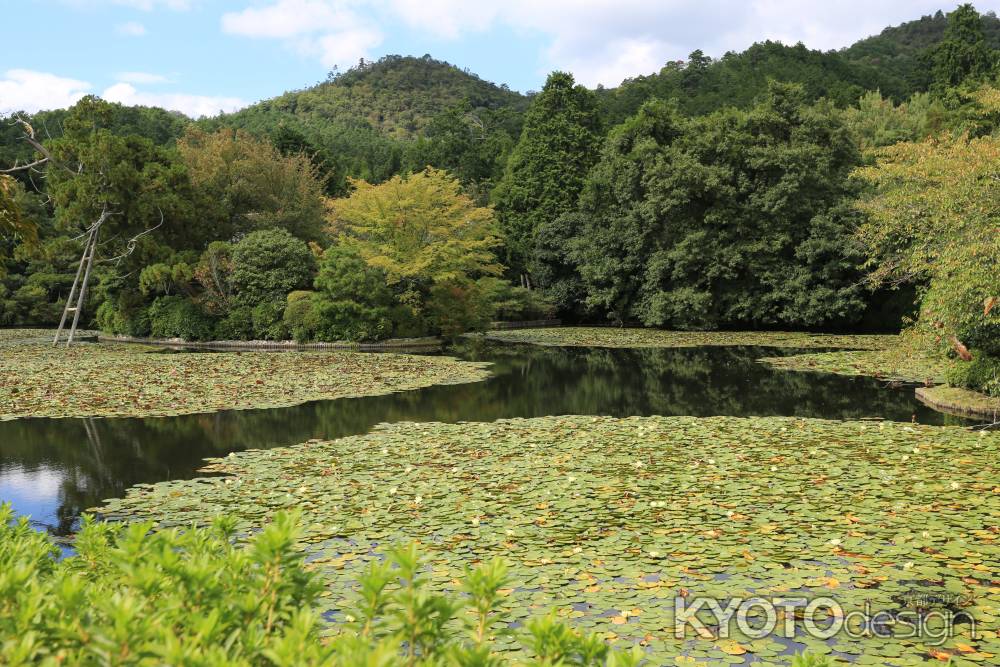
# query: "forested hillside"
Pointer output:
{"type": "Point", "coordinates": [898, 52]}
{"type": "Point", "coordinates": [407, 197]}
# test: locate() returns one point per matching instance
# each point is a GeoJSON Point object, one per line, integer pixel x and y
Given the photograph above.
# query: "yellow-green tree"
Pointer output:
{"type": "Point", "coordinates": [430, 241]}
{"type": "Point", "coordinates": [244, 184]}
{"type": "Point", "coordinates": [935, 219]}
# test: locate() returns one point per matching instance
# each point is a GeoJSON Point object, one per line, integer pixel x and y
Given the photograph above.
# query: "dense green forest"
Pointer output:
{"type": "Point", "coordinates": [772, 188]}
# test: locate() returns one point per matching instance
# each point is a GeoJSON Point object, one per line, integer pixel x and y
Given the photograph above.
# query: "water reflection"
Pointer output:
{"type": "Point", "coordinates": [52, 469]}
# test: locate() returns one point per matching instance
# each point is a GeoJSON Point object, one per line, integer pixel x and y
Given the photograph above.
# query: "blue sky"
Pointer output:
{"type": "Point", "coordinates": [202, 56]}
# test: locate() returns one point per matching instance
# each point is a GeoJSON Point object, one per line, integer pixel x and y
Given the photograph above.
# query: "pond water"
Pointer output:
{"type": "Point", "coordinates": [53, 469]}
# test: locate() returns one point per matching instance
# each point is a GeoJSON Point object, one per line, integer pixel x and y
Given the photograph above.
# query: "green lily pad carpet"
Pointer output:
{"type": "Point", "coordinates": [619, 523]}
{"type": "Point", "coordinates": [109, 380]}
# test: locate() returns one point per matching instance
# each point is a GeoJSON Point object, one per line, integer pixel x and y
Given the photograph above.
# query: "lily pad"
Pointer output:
{"type": "Point", "coordinates": [114, 380]}
{"type": "Point", "coordinates": [624, 337]}
{"type": "Point", "coordinates": [612, 521]}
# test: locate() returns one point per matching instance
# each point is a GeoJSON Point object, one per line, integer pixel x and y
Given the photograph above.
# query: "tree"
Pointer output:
{"type": "Point", "coordinates": [244, 184]}
{"type": "Point", "coordinates": [557, 147]}
{"type": "Point", "coordinates": [733, 219]}
{"type": "Point", "coordinates": [421, 232]}
{"type": "Point", "coordinates": [933, 220]}
{"type": "Point", "coordinates": [963, 52]}
{"type": "Point", "coordinates": [615, 230]}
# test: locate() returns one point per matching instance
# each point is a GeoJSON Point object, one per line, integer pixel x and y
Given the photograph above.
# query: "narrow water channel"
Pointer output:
{"type": "Point", "coordinates": [53, 469]}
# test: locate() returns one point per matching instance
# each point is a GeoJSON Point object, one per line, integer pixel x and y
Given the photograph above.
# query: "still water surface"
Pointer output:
{"type": "Point", "coordinates": [53, 469]}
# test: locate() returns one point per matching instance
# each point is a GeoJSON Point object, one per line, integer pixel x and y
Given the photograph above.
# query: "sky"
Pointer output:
{"type": "Point", "coordinates": [206, 56]}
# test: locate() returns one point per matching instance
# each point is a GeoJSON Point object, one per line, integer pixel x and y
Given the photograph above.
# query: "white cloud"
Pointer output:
{"type": "Point", "coordinates": [194, 106]}
{"type": "Point", "coordinates": [330, 30]}
{"type": "Point", "coordinates": [600, 41]}
{"type": "Point", "coordinates": [131, 29]}
{"type": "Point", "coordinates": [141, 77]}
{"type": "Point", "coordinates": [27, 90]}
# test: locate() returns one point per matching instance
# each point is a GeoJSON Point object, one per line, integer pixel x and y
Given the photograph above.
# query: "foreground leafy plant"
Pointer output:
{"type": "Point", "coordinates": [130, 597]}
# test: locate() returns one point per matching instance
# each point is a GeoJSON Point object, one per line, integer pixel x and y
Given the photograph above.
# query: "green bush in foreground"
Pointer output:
{"type": "Point", "coordinates": [130, 596]}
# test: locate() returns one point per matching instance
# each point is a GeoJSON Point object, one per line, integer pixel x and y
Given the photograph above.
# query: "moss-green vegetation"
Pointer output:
{"type": "Point", "coordinates": [129, 596]}
{"type": "Point", "coordinates": [607, 520]}
{"type": "Point", "coordinates": [623, 337]}
{"type": "Point", "coordinates": [960, 401]}
{"type": "Point", "coordinates": [890, 364]}
{"type": "Point", "coordinates": [104, 380]}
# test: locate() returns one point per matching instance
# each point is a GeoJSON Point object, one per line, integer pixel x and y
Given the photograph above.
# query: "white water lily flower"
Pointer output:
{"type": "Point", "coordinates": [475, 521]}
{"type": "Point", "coordinates": [908, 566]}
{"type": "Point", "coordinates": [774, 468]}
{"type": "Point", "coordinates": [905, 457]}
{"type": "Point", "coordinates": [711, 462]}
{"type": "Point", "coordinates": [955, 485]}
{"type": "Point", "coordinates": [393, 491]}
{"type": "Point", "coordinates": [835, 541]}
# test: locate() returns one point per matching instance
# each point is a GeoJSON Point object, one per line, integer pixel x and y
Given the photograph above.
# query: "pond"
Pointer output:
{"type": "Point", "coordinates": [53, 469]}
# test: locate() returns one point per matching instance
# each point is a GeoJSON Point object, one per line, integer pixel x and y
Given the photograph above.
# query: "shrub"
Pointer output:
{"type": "Point", "coordinates": [236, 325]}
{"type": "Point", "coordinates": [113, 318]}
{"type": "Point", "coordinates": [268, 264]}
{"type": "Point", "coordinates": [455, 307]}
{"type": "Point", "coordinates": [518, 303]}
{"type": "Point", "coordinates": [352, 301]}
{"type": "Point", "coordinates": [981, 374]}
{"type": "Point", "coordinates": [301, 318]}
{"type": "Point", "coordinates": [178, 317]}
{"type": "Point", "coordinates": [351, 321]}
{"type": "Point", "coordinates": [129, 596]}
{"type": "Point", "coordinates": [267, 320]}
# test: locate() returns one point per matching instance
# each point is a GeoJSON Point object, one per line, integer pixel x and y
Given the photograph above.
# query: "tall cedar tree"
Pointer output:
{"type": "Point", "coordinates": [963, 52]}
{"type": "Point", "coordinates": [546, 171]}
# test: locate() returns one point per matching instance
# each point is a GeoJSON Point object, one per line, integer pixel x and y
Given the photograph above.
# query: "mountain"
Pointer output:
{"type": "Point", "coordinates": [897, 50]}
{"type": "Point", "coordinates": [395, 95]}
{"type": "Point", "coordinates": [701, 84]}
{"type": "Point", "coordinates": [890, 61]}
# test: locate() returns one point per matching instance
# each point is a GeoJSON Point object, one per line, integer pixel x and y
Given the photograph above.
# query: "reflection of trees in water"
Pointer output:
{"type": "Point", "coordinates": [100, 458]}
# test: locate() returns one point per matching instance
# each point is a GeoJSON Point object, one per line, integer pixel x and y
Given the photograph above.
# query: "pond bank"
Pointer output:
{"type": "Point", "coordinates": [962, 402]}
